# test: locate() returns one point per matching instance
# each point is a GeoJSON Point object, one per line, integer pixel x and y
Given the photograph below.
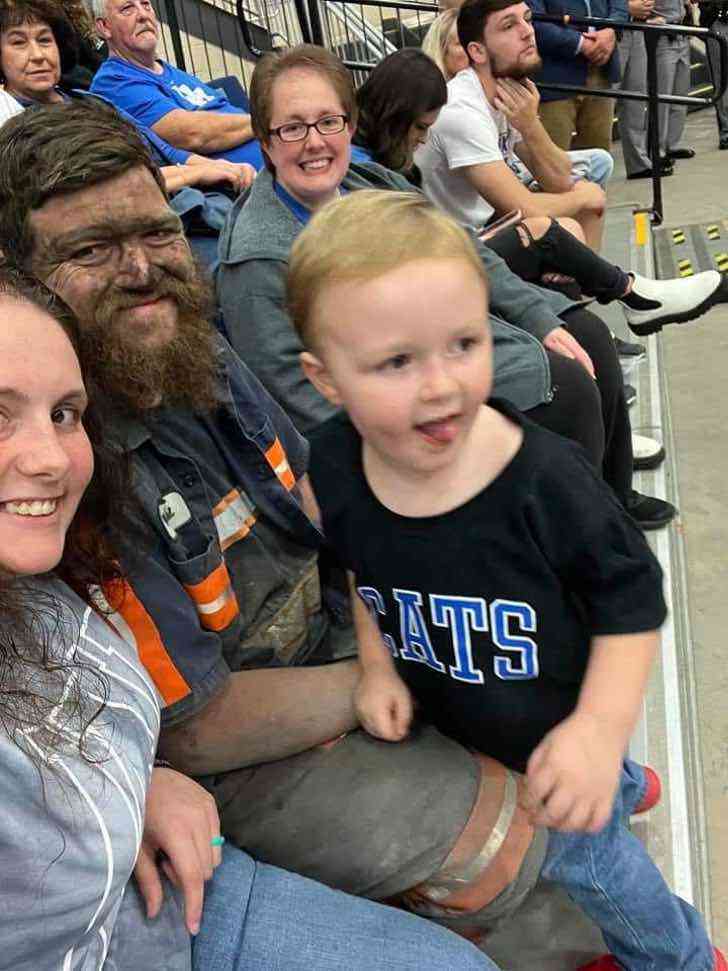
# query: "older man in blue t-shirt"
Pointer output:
{"type": "Point", "coordinates": [179, 107]}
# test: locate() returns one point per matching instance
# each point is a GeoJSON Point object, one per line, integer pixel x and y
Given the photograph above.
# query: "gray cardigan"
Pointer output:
{"type": "Point", "coordinates": [254, 247]}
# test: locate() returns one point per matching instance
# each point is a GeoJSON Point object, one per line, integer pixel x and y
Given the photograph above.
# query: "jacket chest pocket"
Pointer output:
{"type": "Point", "coordinates": [206, 581]}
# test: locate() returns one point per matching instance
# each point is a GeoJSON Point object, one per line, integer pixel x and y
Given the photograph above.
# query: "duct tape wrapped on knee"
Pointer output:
{"type": "Point", "coordinates": [494, 864]}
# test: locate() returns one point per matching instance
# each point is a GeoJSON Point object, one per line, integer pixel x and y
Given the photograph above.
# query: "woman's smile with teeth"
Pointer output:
{"type": "Point", "coordinates": [32, 507]}
{"type": "Point", "coordinates": [316, 163]}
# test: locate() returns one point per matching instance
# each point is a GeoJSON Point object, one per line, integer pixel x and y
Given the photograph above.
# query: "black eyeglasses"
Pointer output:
{"type": "Point", "coordinates": [296, 131]}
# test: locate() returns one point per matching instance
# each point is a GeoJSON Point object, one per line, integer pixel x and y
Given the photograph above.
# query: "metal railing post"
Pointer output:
{"type": "Point", "coordinates": [311, 15]}
{"type": "Point", "coordinates": [173, 24]}
{"type": "Point", "coordinates": [314, 19]}
{"type": "Point", "coordinates": [653, 124]}
{"type": "Point", "coordinates": [304, 21]}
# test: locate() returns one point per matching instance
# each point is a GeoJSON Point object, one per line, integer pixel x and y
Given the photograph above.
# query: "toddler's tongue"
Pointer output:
{"type": "Point", "coordinates": [439, 431]}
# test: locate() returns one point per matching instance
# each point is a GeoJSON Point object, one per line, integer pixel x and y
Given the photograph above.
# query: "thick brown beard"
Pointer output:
{"type": "Point", "coordinates": [514, 72]}
{"type": "Point", "coordinates": [133, 378]}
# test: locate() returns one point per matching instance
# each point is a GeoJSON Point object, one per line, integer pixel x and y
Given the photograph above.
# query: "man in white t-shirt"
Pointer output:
{"type": "Point", "coordinates": [473, 161]}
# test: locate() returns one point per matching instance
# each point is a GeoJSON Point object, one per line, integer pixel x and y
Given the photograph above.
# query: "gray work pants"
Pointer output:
{"type": "Point", "coordinates": [721, 109]}
{"type": "Point", "coordinates": [673, 77]}
{"type": "Point", "coordinates": [633, 114]}
{"type": "Point", "coordinates": [374, 819]}
{"type": "Point", "coordinates": [364, 816]}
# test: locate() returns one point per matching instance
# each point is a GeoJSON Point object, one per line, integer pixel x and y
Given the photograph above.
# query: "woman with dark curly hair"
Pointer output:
{"type": "Point", "coordinates": [37, 46]}
{"type": "Point", "coordinates": [80, 51]}
{"type": "Point", "coordinates": [398, 102]}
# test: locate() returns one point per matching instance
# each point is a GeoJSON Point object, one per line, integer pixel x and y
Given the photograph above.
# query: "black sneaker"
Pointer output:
{"type": "Point", "coordinates": [628, 348]}
{"type": "Point", "coordinates": [666, 169]}
{"type": "Point", "coordinates": [649, 512]}
{"type": "Point", "coordinates": [630, 394]}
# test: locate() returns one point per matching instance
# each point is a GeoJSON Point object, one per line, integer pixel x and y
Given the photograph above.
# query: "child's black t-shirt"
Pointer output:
{"type": "Point", "coordinates": [489, 608]}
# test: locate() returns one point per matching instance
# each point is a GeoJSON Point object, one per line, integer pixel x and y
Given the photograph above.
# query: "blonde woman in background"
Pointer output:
{"type": "Point", "coordinates": [441, 43]}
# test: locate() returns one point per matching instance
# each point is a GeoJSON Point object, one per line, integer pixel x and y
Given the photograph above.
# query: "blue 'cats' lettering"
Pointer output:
{"type": "Point", "coordinates": [461, 615]}
{"type": "Point", "coordinates": [375, 602]}
{"type": "Point", "coordinates": [525, 665]}
{"type": "Point", "coordinates": [416, 644]}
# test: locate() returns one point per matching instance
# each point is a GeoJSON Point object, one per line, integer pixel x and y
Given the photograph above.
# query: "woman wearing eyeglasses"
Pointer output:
{"type": "Point", "coordinates": [303, 111]}
{"type": "Point", "coordinates": [304, 107]}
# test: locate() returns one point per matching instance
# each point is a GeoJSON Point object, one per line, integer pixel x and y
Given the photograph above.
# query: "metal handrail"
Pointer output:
{"type": "Point", "coordinates": [652, 33]}
{"type": "Point", "coordinates": [362, 30]}
{"type": "Point", "coordinates": [245, 29]}
{"type": "Point", "coordinates": [309, 13]}
{"type": "Point", "coordinates": [312, 29]}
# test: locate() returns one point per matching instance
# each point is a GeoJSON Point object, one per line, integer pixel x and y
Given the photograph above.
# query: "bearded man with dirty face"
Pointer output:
{"type": "Point", "coordinates": [116, 254]}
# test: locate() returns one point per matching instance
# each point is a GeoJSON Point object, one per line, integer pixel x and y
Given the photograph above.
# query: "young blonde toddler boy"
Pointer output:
{"type": "Point", "coordinates": [500, 583]}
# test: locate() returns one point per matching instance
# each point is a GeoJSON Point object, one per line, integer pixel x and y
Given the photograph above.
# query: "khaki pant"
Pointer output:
{"type": "Point", "coordinates": [590, 118]}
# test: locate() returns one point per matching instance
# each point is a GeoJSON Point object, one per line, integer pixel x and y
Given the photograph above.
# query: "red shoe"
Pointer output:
{"type": "Point", "coordinates": [653, 793]}
{"type": "Point", "coordinates": [608, 963]}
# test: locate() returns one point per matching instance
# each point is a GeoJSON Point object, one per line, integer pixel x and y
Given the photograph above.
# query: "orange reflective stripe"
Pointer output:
{"type": "Point", "coordinates": [150, 647]}
{"type": "Point", "coordinates": [234, 518]}
{"type": "Point", "coordinates": [219, 619]}
{"type": "Point", "coordinates": [225, 502]}
{"type": "Point", "coordinates": [279, 463]}
{"type": "Point", "coordinates": [213, 586]}
{"type": "Point", "coordinates": [215, 599]}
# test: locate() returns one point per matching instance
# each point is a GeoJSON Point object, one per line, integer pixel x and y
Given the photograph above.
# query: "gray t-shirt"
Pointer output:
{"type": "Point", "coordinates": [468, 131]}
{"type": "Point", "coordinates": [70, 832]}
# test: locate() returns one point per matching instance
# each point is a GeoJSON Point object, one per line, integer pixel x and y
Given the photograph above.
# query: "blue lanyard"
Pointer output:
{"type": "Point", "coordinates": [301, 213]}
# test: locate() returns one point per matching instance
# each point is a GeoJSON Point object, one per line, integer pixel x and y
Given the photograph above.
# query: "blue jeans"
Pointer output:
{"type": "Point", "coordinates": [259, 918]}
{"type": "Point", "coordinates": [612, 878]}
{"type": "Point", "coordinates": [593, 165]}
{"type": "Point", "coordinates": [590, 164]}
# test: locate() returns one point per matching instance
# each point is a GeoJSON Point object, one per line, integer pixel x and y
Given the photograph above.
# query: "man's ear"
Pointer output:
{"type": "Point", "coordinates": [319, 376]}
{"type": "Point", "coordinates": [102, 30]}
{"type": "Point", "coordinates": [476, 52]}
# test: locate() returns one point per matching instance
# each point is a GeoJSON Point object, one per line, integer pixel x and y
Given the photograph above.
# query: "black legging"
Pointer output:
{"type": "Point", "coordinates": [593, 413]}
{"type": "Point", "coordinates": [558, 251]}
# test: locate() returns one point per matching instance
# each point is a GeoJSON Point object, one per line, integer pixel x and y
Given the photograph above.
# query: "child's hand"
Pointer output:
{"type": "Point", "coordinates": [383, 704]}
{"type": "Point", "coordinates": [573, 775]}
